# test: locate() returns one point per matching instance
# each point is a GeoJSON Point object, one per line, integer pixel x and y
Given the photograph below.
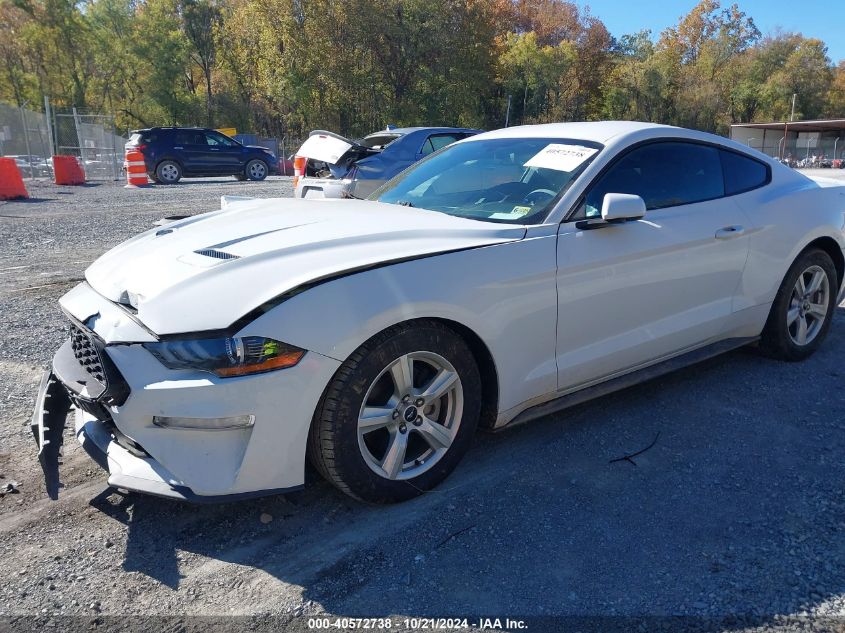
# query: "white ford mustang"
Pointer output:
{"type": "Point", "coordinates": [502, 278]}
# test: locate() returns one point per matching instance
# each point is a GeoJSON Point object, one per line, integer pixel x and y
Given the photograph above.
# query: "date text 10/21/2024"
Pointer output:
{"type": "Point", "coordinates": [433, 624]}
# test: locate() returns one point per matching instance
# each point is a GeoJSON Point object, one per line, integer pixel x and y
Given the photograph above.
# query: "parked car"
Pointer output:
{"type": "Point", "coordinates": [171, 153]}
{"type": "Point", "coordinates": [334, 167]}
{"type": "Point", "coordinates": [510, 275]}
{"type": "Point", "coordinates": [33, 166]}
{"type": "Point", "coordinates": [286, 165]}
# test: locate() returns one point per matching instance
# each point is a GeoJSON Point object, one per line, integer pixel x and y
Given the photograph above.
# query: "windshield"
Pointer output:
{"type": "Point", "coordinates": [514, 180]}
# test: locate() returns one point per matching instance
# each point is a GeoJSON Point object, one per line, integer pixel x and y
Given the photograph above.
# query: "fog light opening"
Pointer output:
{"type": "Point", "coordinates": [205, 424]}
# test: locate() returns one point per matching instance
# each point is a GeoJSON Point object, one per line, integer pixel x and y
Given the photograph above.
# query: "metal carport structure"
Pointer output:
{"type": "Point", "coordinates": [794, 140]}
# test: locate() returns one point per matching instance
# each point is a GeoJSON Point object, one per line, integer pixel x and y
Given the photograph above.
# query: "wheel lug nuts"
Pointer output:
{"type": "Point", "coordinates": [406, 398]}
{"type": "Point", "coordinates": [403, 429]}
{"type": "Point", "coordinates": [420, 402]}
{"type": "Point", "coordinates": [395, 414]}
{"type": "Point", "coordinates": [418, 421]}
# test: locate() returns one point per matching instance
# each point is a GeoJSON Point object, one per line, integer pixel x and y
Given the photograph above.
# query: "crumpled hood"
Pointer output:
{"type": "Point", "coordinates": [207, 271]}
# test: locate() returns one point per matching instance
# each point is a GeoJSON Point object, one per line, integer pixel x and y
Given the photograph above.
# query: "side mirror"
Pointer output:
{"type": "Point", "coordinates": [617, 207]}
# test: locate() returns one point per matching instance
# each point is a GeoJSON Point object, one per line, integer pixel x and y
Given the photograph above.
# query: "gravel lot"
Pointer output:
{"type": "Point", "coordinates": [737, 513]}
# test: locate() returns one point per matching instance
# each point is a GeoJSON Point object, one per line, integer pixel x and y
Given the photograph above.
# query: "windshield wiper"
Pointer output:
{"type": "Point", "coordinates": [405, 203]}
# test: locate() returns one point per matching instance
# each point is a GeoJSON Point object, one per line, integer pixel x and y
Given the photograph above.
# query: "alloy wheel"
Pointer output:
{"type": "Point", "coordinates": [257, 170]}
{"type": "Point", "coordinates": [169, 173]}
{"type": "Point", "coordinates": [410, 415]}
{"type": "Point", "coordinates": [808, 305]}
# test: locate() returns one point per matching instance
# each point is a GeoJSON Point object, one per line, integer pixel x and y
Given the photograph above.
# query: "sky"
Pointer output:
{"type": "Point", "coordinates": [823, 19]}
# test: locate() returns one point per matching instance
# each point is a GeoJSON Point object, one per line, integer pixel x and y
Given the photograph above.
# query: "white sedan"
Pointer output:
{"type": "Point", "coordinates": [504, 277]}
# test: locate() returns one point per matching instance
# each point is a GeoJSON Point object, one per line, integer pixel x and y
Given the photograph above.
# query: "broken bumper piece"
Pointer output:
{"type": "Point", "coordinates": [48, 424]}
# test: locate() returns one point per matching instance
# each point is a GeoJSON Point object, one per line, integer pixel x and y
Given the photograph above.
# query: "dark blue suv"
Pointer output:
{"type": "Point", "coordinates": [172, 153]}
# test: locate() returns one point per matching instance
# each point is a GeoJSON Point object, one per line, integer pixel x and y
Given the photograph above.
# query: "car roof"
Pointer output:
{"type": "Point", "coordinates": [597, 131]}
{"type": "Point", "coordinates": [401, 131]}
{"type": "Point", "coordinates": [168, 127]}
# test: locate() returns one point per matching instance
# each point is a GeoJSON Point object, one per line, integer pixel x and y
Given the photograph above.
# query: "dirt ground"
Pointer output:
{"type": "Point", "coordinates": [734, 519]}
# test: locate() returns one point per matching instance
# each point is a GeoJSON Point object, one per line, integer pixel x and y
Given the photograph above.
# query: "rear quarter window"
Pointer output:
{"type": "Point", "coordinates": [142, 137]}
{"type": "Point", "coordinates": [742, 173]}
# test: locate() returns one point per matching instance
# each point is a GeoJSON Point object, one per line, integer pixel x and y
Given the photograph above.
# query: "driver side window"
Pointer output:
{"type": "Point", "coordinates": [436, 142]}
{"type": "Point", "coordinates": [664, 174]}
{"type": "Point", "coordinates": [218, 140]}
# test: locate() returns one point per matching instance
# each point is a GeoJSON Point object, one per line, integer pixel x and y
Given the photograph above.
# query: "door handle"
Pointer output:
{"type": "Point", "coordinates": [729, 232]}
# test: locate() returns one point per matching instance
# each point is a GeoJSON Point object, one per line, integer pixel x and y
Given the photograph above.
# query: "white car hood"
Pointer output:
{"type": "Point", "coordinates": [207, 271]}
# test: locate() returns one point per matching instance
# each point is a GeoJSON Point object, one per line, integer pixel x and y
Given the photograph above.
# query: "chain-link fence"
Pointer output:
{"type": "Point", "coordinates": [25, 136]}
{"type": "Point", "coordinates": [92, 138]}
{"type": "Point", "coordinates": [33, 138]}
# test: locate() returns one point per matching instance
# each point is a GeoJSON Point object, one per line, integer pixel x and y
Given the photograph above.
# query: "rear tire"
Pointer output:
{"type": "Point", "coordinates": [803, 308]}
{"type": "Point", "coordinates": [168, 172]}
{"type": "Point", "coordinates": [382, 437]}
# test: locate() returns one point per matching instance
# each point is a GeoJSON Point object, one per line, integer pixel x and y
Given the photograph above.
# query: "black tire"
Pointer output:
{"type": "Point", "coordinates": [168, 172]}
{"type": "Point", "coordinates": [333, 443]}
{"type": "Point", "coordinates": [778, 339]}
{"type": "Point", "coordinates": [256, 169]}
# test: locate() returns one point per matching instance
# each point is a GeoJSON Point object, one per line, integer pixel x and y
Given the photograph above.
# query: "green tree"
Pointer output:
{"type": "Point", "coordinates": [532, 73]}
{"type": "Point", "coordinates": [200, 21]}
{"type": "Point", "coordinates": [162, 64]}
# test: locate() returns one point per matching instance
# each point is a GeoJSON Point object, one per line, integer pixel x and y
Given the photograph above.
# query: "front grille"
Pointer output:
{"type": "Point", "coordinates": [86, 353]}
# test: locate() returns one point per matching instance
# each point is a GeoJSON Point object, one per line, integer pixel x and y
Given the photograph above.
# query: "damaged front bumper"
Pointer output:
{"type": "Point", "coordinates": [68, 385]}
{"type": "Point", "coordinates": [124, 398]}
{"type": "Point", "coordinates": [48, 424]}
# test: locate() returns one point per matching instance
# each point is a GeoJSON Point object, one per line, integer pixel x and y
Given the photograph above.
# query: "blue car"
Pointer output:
{"type": "Point", "coordinates": [173, 153]}
{"type": "Point", "coordinates": [331, 166]}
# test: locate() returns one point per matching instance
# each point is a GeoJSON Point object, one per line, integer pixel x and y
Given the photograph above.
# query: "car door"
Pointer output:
{"type": "Point", "coordinates": [226, 156]}
{"type": "Point", "coordinates": [192, 150]}
{"type": "Point", "coordinates": [636, 292]}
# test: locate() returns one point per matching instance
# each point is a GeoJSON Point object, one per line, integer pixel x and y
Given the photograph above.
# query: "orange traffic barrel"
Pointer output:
{"type": "Point", "coordinates": [68, 171]}
{"type": "Point", "coordinates": [299, 163]}
{"type": "Point", "coordinates": [11, 182]}
{"type": "Point", "coordinates": [136, 169]}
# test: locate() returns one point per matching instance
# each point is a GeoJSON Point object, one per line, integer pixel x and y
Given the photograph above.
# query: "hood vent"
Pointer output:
{"type": "Point", "coordinates": [210, 252]}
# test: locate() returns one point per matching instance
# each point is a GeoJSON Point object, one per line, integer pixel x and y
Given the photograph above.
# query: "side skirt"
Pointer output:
{"type": "Point", "coordinates": [628, 380]}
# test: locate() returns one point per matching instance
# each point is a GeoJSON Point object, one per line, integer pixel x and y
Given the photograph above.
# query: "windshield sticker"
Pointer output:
{"type": "Point", "coordinates": [561, 157]}
{"type": "Point", "coordinates": [515, 214]}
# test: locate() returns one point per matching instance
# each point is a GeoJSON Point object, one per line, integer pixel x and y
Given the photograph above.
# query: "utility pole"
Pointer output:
{"type": "Point", "coordinates": [792, 115]}
{"type": "Point", "coordinates": [508, 113]}
{"type": "Point", "coordinates": [48, 116]}
{"type": "Point", "coordinates": [26, 139]}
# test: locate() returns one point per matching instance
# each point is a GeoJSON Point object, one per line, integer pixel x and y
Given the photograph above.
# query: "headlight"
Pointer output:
{"type": "Point", "coordinates": [226, 357]}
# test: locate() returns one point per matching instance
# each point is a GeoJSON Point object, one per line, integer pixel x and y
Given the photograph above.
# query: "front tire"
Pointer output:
{"type": "Point", "coordinates": [398, 415]}
{"type": "Point", "coordinates": [803, 308]}
{"type": "Point", "coordinates": [256, 170]}
{"type": "Point", "coordinates": [168, 172]}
